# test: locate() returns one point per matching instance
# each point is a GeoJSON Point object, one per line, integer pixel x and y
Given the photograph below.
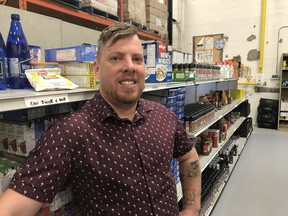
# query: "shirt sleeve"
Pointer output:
{"type": "Point", "coordinates": [183, 144]}
{"type": "Point", "coordinates": [46, 169]}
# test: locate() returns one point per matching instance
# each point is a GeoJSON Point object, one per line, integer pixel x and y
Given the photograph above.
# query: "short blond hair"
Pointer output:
{"type": "Point", "coordinates": [113, 33]}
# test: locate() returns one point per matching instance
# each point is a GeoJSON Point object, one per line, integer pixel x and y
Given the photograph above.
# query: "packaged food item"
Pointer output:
{"type": "Point", "coordinates": [48, 79]}
{"type": "Point", "coordinates": [37, 65]}
{"type": "Point", "coordinates": [35, 53]}
{"type": "Point", "coordinates": [82, 53]}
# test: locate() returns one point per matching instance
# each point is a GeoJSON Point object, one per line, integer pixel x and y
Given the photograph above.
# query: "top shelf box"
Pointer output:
{"type": "Point", "coordinates": [73, 15]}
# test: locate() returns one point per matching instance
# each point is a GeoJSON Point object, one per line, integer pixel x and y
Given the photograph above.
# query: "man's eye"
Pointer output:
{"type": "Point", "coordinates": [139, 60]}
{"type": "Point", "coordinates": [115, 58]}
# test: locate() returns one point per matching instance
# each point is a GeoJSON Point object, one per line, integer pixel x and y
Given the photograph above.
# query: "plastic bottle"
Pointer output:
{"type": "Point", "coordinates": [3, 64]}
{"type": "Point", "coordinates": [18, 55]}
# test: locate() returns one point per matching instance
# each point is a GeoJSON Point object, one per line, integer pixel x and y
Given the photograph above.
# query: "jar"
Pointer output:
{"type": "Point", "coordinates": [187, 123]}
{"type": "Point", "coordinates": [224, 129]}
{"type": "Point", "coordinates": [215, 139]}
{"type": "Point", "coordinates": [206, 144]}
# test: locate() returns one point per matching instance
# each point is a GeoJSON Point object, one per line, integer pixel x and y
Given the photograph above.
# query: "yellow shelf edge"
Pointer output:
{"type": "Point", "coordinates": [248, 83]}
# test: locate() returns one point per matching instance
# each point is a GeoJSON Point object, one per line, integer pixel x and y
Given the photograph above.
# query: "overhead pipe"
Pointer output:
{"type": "Point", "coordinates": [170, 22]}
{"type": "Point", "coordinates": [262, 40]}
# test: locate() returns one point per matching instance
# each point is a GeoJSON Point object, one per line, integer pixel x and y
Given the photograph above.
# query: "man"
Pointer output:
{"type": "Point", "coordinates": [115, 151]}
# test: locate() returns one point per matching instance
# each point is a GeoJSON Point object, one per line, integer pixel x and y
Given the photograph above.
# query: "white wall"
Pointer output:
{"type": "Point", "coordinates": [237, 20]}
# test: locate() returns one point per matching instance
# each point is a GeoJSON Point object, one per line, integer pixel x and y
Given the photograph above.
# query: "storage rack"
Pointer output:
{"type": "Point", "coordinates": [283, 94]}
{"type": "Point", "coordinates": [205, 160]}
{"type": "Point", "coordinates": [241, 144]}
{"type": "Point", "coordinates": [75, 16]}
{"type": "Point", "coordinates": [14, 99]}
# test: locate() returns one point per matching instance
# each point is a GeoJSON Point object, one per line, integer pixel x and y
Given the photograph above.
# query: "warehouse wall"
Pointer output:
{"type": "Point", "coordinates": [238, 21]}
{"type": "Point", "coordinates": [45, 31]}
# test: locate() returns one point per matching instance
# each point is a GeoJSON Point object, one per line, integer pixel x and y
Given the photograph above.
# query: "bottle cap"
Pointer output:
{"type": "Point", "coordinates": [15, 16]}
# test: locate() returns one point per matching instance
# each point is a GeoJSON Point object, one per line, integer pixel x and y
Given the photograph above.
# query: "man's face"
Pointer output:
{"type": "Point", "coordinates": [121, 71]}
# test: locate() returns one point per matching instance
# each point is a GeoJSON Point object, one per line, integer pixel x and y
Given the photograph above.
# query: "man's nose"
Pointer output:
{"type": "Point", "coordinates": [128, 64]}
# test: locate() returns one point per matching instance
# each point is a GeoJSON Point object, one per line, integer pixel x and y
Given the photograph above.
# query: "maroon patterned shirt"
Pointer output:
{"type": "Point", "coordinates": [116, 167]}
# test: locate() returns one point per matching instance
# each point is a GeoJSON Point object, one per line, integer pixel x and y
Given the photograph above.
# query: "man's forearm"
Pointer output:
{"type": "Point", "coordinates": [190, 174]}
{"type": "Point", "coordinates": [14, 204]}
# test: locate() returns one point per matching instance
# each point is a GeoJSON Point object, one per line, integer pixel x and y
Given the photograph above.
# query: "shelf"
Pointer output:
{"type": "Point", "coordinates": [218, 115]}
{"type": "Point", "coordinates": [241, 144]}
{"type": "Point", "coordinates": [282, 127]}
{"type": "Point", "coordinates": [167, 85]}
{"type": "Point", "coordinates": [221, 188]}
{"type": "Point", "coordinates": [73, 15]}
{"type": "Point", "coordinates": [15, 99]}
{"type": "Point", "coordinates": [206, 159]}
{"type": "Point", "coordinates": [12, 99]}
{"type": "Point", "coordinates": [248, 83]}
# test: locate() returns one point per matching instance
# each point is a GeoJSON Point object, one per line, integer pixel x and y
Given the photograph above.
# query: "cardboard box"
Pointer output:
{"type": "Point", "coordinates": [84, 81]}
{"type": "Point", "coordinates": [164, 92]}
{"type": "Point", "coordinates": [80, 73]}
{"type": "Point", "coordinates": [24, 114]}
{"type": "Point", "coordinates": [284, 105]}
{"type": "Point", "coordinates": [167, 101]}
{"type": "Point", "coordinates": [237, 94]}
{"type": "Point", "coordinates": [77, 68]}
{"type": "Point", "coordinates": [109, 6]}
{"type": "Point", "coordinates": [156, 16]}
{"type": "Point", "coordinates": [133, 10]}
{"type": "Point", "coordinates": [158, 62]}
{"type": "Point", "coordinates": [83, 53]}
{"type": "Point", "coordinates": [21, 137]}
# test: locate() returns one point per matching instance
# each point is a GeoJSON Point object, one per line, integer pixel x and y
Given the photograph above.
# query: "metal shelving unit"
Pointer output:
{"type": "Point", "coordinates": [75, 16]}
{"type": "Point", "coordinates": [218, 115]}
{"type": "Point", "coordinates": [16, 99]}
{"type": "Point", "coordinates": [205, 160]}
{"type": "Point", "coordinates": [241, 144]}
{"type": "Point", "coordinates": [283, 95]}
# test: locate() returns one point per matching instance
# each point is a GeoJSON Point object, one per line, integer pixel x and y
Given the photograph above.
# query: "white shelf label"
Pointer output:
{"type": "Point", "coordinates": [46, 100]}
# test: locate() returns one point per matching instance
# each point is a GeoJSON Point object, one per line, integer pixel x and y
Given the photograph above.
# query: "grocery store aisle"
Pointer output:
{"type": "Point", "coordinates": [258, 185]}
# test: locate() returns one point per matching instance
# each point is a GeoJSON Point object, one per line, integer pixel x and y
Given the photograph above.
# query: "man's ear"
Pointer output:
{"type": "Point", "coordinates": [96, 68]}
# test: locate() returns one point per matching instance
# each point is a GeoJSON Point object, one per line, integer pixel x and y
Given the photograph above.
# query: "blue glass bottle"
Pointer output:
{"type": "Point", "coordinates": [3, 64]}
{"type": "Point", "coordinates": [18, 55]}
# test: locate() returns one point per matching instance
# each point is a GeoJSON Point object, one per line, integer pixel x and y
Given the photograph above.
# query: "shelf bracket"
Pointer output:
{"type": "Point", "coordinates": [23, 4]}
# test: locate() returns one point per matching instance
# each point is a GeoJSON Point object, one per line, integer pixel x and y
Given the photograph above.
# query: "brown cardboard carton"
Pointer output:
{"type": "Point", "coordinates": [135, 11]}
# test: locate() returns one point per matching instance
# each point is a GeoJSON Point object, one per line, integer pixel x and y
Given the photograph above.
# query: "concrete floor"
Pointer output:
{"type": "Point", "coordinates": [258, 185]}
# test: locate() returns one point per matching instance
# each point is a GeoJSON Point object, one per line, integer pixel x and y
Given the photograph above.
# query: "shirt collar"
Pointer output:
{"type": "Point", "coordinates": [105, 111]}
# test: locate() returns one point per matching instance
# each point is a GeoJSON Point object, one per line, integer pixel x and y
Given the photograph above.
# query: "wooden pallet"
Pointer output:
{"type": "Point", "coordinates": [96, 11]}
{"type": "Point", "coordinates": [158, 33]}
{"type": "Point", "coordinates": [153, 31]}
{"type": "Point", "coordinates": [137, 24]}
{"type": "Point", "coordinates": [71, 3]}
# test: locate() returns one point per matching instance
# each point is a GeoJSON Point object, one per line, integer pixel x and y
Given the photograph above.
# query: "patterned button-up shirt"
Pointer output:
{"type": "Point", "coordinates": [115, 166]}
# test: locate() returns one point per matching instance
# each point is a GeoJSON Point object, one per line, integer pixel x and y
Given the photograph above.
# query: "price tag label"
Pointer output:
{"type": "Point", "coordinates": [46, 100]}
